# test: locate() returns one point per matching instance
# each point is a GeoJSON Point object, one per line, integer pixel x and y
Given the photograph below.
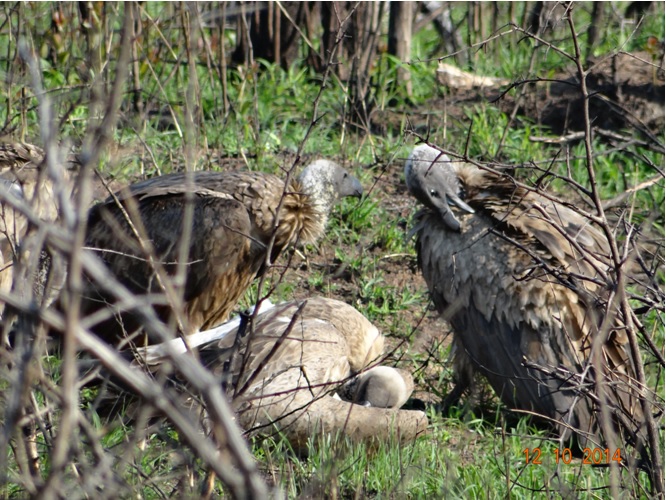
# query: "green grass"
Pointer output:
{"type": "Point", "coordinates": [475, 459]}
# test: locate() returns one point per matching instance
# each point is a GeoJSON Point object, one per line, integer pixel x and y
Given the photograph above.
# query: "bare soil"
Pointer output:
{"type": "Point", "coordinates": [627, 93]}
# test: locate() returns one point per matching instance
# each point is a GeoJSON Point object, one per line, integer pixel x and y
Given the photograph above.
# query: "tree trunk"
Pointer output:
{"type": "Point", "coordinates": [273, 32]}
{"type": "Point", "coordinates": [401, 19]}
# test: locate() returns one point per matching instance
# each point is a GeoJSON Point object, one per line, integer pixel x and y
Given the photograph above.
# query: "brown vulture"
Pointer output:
{"type": "Point", "coordinates": [288, 367]}
{"type": "Point", "coordinates": [23, 179]}
{"type": "Point", "coordinates": [233, 219]}
{"type": "Point", "coordinates": [520, 278]}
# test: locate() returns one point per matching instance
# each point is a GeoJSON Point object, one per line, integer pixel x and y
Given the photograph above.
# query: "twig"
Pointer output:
{"type": "Point", "coordinates": [655, 446]}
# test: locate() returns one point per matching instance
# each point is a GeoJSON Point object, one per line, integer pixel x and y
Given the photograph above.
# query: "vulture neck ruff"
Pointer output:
{"type": "Point", "coordinates": [303, 215]}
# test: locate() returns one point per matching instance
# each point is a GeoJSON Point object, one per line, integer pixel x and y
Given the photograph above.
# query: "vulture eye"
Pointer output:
{"type": "Point", "coordinates": [434, 193]}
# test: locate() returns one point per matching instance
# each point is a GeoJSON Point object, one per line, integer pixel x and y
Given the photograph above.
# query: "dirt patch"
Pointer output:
{"type": "Point", "coordinates": [627, 92]}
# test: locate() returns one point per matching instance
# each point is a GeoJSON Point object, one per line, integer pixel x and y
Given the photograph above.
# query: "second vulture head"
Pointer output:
{"type": "Point", "coordinates": [326, 182]}
{"type": "Point", "coordinates": [379, 387]}
{"type": "Point", "coordinates": [431, 178]}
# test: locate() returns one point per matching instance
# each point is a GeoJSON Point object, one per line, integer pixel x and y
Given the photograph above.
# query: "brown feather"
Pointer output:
{"type": "Point", "coordinates": [21, 172]}
{"type": "Point", "coordinates": [235, 217]}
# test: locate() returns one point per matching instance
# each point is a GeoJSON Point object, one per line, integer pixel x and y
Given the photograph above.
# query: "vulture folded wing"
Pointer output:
{"type": "Point", "coordinates": [570, 244]}
{"type": "Point", "coordinates": [219, 242]}
{"type": "Point", "coordinates": [501, 321]}
{"type": "Point", "coordinates": [521, 282]}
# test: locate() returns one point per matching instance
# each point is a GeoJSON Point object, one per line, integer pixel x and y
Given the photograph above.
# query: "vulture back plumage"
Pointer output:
{"type": "Point", "coordinates": [521, 280]}
{"type": "Point", "coordinates": [283, 368]}
{"type": "Point", "coordinates": [234, 219]}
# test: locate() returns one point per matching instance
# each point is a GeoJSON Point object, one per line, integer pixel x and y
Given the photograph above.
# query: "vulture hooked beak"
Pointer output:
{"type": "Point", "coordinates": [442, 202]}
{"type": "Point", "coordinates": [351, 187]}
{"type": "Point", "coordinates": [432, 180]}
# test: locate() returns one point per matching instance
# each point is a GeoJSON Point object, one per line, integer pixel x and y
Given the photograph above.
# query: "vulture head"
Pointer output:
{"type": "Point", "coordinates": [11, 188]}
{"type": "Point", "coordinates": [431, 178]}
{"type": "Point", "coordinates": [326, 182]}
{"type": "Point", "coordinates": [379, 387]}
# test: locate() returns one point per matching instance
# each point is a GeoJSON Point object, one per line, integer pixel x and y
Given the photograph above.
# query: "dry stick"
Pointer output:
{"type": "Point", "coordinates": [519, 101]}
{"type": "Point", "coordinates": [223, 62]}
{"type": "Point", "coordinates": [132, 216]}
{"type": "Point", "coordinates": [192, 93]}
{"type": "Point", "coordinates": [169, 287]}
{"type": "Point", "coordinates": [239, 392]}
{"type": "Point", "coordinates": [303, 36]}
{"type": "Point", "coordinates": [21, 376]}
{"type": "Point", "coordinates": [189, 146]}
{"type": "Point", "coordinates": [74, 282]}
{"type": "Point", "coordinates": [299, 152]}
{"type": "Point", "coordinates": [656, 471]}
{"type": "Point", "coordinates": [96, 150]}
{"type": "Point", "coordinates": [150, 391]}
{"type": "Point", "coordinates": [251, 484]}
{"type": "Point", "coordinates": [481, 44]}
{"type": "Point", "coordinates": [210, 58]}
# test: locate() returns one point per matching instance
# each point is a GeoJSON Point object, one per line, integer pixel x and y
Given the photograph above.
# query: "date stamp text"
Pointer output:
{"type": "Point", "coordinates": [591, 456]}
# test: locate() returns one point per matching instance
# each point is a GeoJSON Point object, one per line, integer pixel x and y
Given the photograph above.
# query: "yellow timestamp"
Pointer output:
{"type": "Point", "coordinates": [591, 456]}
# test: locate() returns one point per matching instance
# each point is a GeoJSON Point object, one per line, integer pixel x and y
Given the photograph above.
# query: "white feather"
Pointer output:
{"type": "Point", "coordinates": [156, 352]}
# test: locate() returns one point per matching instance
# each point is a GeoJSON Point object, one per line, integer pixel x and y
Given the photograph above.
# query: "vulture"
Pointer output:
{"type": "Point", "coordinates": [229, 219]}
{"type": "Point", "coordinates": [23, 179]}
{"type": "Point", "coordinates": [521, 280]}
{"type": "Point", "coordinates": [302, 367]}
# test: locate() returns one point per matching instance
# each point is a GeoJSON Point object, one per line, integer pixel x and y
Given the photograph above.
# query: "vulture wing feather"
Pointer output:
{"type": "Point", "coordinates": [521, 282]}
{"type": "Point", "coordinates": [235, 220]}
{"type": "Point", "coordinates": [220, 227]}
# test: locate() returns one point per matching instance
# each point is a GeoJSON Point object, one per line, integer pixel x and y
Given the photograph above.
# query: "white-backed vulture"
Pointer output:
{"type": "Point", "coordinates": [23, 178]}
{"type": "Point", "coordinates": [520, 278]}
{"type": "Point", "coordinates": [234, 216]}
{"type": "Point", "coordinates": [283, 368]}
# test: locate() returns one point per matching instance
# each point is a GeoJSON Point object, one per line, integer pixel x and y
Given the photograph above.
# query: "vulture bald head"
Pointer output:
{"type": "Point", "coordinates": [236, 218]}
{"type": "Point", "coordinates": [380, 386]}
{"type": "Point", "coordinates": [326, 182]}
{"type": "Point", "coordinates": [520, 277]}
{"type": "Point", "coordinates": [433, 181]}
